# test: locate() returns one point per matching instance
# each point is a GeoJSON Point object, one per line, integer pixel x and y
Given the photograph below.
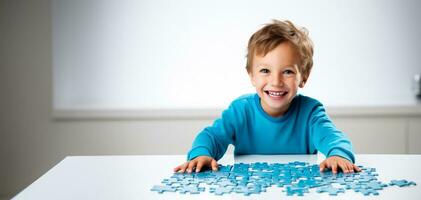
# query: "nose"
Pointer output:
{"type": "Point", "coordinates": [277, 80]}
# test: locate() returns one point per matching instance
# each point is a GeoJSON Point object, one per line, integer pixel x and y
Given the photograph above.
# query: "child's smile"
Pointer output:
{"type": "Point", "coordinates": [276, 95]}
{"type": "Point", "coordinates": [276, 78]}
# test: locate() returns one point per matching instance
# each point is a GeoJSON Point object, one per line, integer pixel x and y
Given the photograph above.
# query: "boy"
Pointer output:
{"type": "Point", "coordinates": [275, 120]}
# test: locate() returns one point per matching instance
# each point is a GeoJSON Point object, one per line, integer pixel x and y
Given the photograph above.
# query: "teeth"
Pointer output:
{"type": "Point", "coordinates": [276, 93]}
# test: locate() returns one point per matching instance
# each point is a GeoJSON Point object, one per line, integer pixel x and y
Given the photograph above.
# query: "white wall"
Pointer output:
{"type": "Point", "coordinates": [191, 54]}
{"type": "Point", "coordinates": [31, 141]}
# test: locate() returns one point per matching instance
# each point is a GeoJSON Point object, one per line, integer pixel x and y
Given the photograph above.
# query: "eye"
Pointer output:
{"type": "Point", "coordinates": [264, 70]}
{"type": "Point", "coordinates": [288, 72]}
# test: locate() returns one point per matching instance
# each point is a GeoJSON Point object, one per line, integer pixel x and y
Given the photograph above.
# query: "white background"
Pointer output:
{"type": "Point", "coordinates": [191, 54]}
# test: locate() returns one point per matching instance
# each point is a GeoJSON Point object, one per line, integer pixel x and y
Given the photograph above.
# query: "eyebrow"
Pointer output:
{"type": "Point", "coordinates": [266, 65]}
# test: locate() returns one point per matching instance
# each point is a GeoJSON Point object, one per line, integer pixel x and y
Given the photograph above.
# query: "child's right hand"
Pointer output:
{"type": "Point", "coordinates": [197, 163]}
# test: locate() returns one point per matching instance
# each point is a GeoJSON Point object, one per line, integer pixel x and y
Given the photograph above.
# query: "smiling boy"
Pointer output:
{"type": "Point", "coordinates": [274, 120]}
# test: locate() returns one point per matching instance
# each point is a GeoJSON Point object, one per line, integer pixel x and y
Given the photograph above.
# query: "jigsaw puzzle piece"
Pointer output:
{"type": "Point", "coordinates": [402, 183]}
{"type": "Point", "coordinates": [292, 190]}
{"type": "Point", "coordinates": [192, 189]}
{"type": "Point", "coordinates": [331, 190]}
{"type": "Point", "coordinates": [163, 188]}
{"type": "Point", "coordinates": [367, 191]}
{"type": "Point", "coordinates": [221, 190]}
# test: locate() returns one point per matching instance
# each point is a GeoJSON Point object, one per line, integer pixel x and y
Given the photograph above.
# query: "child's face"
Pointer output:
{"type": "Point", "coordinates": [276, 78]}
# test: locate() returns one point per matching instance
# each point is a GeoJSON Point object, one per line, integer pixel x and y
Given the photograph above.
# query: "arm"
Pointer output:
{"type": "Point", "coordinates": [331, 142]}
{"type": "Point", "coordinates": [211, 144]}
{"type": "Point", "coordinates": [214, 140]}
{"type": "Point", "coordinates": [327, 138]}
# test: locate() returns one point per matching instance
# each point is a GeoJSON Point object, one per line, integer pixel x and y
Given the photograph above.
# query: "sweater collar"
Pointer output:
{"type": "Point", "coordinates": [280, 118]}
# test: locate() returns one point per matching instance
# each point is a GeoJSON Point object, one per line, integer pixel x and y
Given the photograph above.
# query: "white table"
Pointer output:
{"type": "Point", "coordinates": [132, 177]}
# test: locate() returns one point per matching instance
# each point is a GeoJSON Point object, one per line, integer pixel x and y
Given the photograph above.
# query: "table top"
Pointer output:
{"type": "Point", "coordinates": [132, 177]}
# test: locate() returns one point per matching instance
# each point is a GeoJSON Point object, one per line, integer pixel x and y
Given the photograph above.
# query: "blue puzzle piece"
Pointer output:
{"type": "Point", "coordinates": [402, 183]}
{"type": "Point", "coordinates": [259, 166]}
{"type": "Point", "coordinates": [247, 190]}
{"type": "Point", "coordinates": [353, 185]}
{"type": "Point", "coordinates": [311, 183]}
{"type": "Point", "coordinates": [191, 189]}
{"type": "Point", "coordinates": [222, 168]}
{"type": "Point", "coordinates": [331, 190]}
{"type": "Point", "coordinates": [221, 190]}
{"type": "Point", "coordinates": [376, 185]}
{"type": "Point", "coordinates": [291, 190]}
{"type": "Point", "coordinates": [367, 191]}
{"type": "Point", "coordinates": [227, 182]}
{"type": "Point", "coordinates": [163, 188]}
{"type": "Point", "coordinates": [281, 181]}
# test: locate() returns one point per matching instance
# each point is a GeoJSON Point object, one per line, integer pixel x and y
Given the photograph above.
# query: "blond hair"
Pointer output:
{"type": "Point", "coordinates": [271, 35]}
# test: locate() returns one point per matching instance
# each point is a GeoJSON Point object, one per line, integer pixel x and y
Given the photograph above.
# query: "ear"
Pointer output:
{"type": "Point", "coordinates": [302, 84]}
{"type": "Point", "coordinates": [303, 81]}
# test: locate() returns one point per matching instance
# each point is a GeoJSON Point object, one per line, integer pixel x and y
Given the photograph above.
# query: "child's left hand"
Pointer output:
{"type": "Point", "coordinates": [334, 162]}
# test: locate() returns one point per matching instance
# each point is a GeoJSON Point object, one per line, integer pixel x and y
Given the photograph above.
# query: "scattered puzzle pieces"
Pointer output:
{"type": "Point", "coordinates": [296, 178]}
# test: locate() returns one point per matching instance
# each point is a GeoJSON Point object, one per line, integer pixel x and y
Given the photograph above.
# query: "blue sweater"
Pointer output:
{"type": "Point", "coordinates": [304, 129]}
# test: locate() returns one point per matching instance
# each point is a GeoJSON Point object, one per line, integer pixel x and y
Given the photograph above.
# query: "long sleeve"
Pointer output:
{"type": "Point", "coordinates": [327, 138]}
{"type": "Point", "coordinates": [213, 141]}
{"type": "Point", "coordinates": [305, 128]}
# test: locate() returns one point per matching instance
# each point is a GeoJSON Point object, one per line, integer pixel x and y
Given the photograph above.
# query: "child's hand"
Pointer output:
{"type": "Point", "coordinates": [198, 163]}
{"type": "Point", "coordinates": [334, 162]}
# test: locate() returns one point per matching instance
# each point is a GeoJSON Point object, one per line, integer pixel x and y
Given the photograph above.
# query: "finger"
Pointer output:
{"type": "Point", "coordinates": [322, 166]}
{"type": "Point", "coordinates": [199, 165]}
{"type": "Point", "coordinates": [356, 168]}
{"type": "Point", "coordinates": [178, 168]}
{"type": "Point", "coordinates": [214, 165]}
{"type": "Point", "coordinates": [334, 168]}
{"type": "Point", "coordinates": [185, 166]}
{"type": "Point", "coordinates": [350, 168]}
{"type": "Point", "coordinates": [327, 164]}
{"type": "Point", "coordinates": [343, 166]}
{"type": "Point", "coordinates": [191, 165]}
{"type": "Point", "coordinates": [181, 168]}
